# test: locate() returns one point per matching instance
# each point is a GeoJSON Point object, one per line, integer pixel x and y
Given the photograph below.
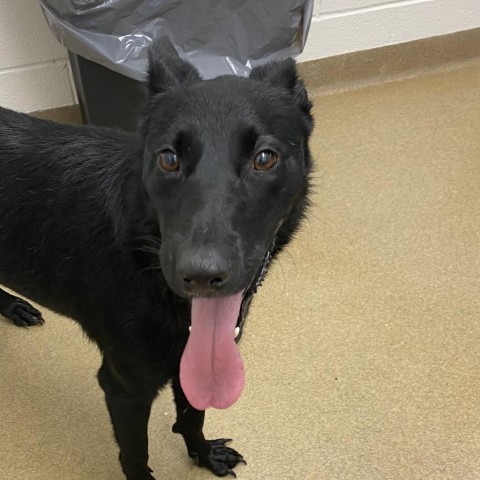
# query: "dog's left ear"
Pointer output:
{"type": "Point", "coordinates": [283, 73]}
{"type": "Point", "coordinates": [166, 70]}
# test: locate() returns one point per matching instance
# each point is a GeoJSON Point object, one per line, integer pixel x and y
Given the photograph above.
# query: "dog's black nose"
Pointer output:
{"type": "Point", "coordinates": [202, 274]}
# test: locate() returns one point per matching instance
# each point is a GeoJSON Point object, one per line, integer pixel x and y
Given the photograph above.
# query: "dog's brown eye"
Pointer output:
{"type": "Point", "coordinates": [265, 160]}
{"type": "Point", "coordinates": [168, 160]}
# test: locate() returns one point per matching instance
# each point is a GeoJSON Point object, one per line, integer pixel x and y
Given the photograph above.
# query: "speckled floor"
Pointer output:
{"type": "Point", "coordinates": [362, 349]}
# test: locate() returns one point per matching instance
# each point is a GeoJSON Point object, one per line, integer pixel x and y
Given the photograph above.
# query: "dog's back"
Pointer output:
{"type": "Point", "coordinates": [57, 182]}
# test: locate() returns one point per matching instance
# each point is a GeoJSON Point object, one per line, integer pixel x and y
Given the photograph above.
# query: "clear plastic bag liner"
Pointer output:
{"type": "Point", "coordinates": [217, 36]}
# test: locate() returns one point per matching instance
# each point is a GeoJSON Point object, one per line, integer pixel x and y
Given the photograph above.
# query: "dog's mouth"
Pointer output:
{"type": "Point", "coordinates": [211, 369]}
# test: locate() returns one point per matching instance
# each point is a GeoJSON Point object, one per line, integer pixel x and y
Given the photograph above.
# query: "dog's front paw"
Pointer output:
{"type": "Point", "coordinates": [22, 313]}
{"type": "Point", "coordinates": [217, 457]}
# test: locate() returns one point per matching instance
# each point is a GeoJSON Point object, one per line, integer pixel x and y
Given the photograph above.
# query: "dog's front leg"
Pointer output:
{"type": "Point", "coordinates": [212, 454]}
{"type": "Point", "coordinates": [129, 414]}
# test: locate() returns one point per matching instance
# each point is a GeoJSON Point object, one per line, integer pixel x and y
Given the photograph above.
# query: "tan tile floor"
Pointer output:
{"type": "Point", "coordinates": [363, 348]}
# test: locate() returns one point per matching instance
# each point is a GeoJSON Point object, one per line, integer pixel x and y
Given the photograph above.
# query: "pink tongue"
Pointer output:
{"type": "Point", "coordinates": [211, 369]}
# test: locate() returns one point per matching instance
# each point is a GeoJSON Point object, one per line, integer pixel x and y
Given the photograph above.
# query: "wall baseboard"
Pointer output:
{"type": "Point", "coordinates": [358, 69]}
{"type": "Point", "coordinates": [391, 63]}
{"type": "Point", "coordinates": [66, 114]}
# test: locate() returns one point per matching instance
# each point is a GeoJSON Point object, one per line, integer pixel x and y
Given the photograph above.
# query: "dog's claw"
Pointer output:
{"type": "Point", "coordinates": [220, 441]}
{"type": "Point", "coordinates": [22, 314]}
{"type": "Point", "coordinates": [219, 458]}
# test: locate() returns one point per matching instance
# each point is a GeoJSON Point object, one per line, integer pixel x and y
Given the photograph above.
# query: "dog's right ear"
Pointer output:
{"type": "Point", "coordinates": [166, 70]}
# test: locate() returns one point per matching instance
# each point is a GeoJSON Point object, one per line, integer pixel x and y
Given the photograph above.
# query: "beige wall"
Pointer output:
{"type": "Point", "coordinates": [33, 66]}
{"type": "Point", "coordinates": [344, 26]}
{"type": "Point", "coordinates": [34, 71]}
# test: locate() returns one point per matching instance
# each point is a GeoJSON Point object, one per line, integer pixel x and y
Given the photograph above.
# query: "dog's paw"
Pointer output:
{"type": "Point", "coordinates": [218, 458]}
{"type": "Point", "coordinates": [21, 313]}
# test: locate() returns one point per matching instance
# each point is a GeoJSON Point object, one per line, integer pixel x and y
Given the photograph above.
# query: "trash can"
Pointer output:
{"type": "Point", "coordinates": [108, 41]}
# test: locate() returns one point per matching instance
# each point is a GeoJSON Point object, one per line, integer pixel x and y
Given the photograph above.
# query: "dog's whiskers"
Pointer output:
{"type": "Point", "coordinates": [150, 238]}
{"type": "Point", "coordinates": [156, 268]}
{"type": "Point", "coordinates": [292, 258]}
{"type": "Point", "coordinates": [283, 275]}
{"type": "Point", "coordinates": [147, 249]}
{"type": "Point", "coordinates": [153, 248]}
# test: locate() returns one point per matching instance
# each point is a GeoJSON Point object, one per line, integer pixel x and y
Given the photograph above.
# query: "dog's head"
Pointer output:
{"type": "Point", "coordinates": [226, 164]}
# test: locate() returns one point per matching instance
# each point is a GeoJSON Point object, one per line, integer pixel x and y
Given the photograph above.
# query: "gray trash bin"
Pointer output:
{"type": "Point", "coordinates": [108, 41]}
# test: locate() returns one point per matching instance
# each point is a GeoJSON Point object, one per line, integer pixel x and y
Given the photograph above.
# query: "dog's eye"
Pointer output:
{"type": "Point", "coordinates": [168, 160]}
{"type": "Point", "coordinates": [265, 160]}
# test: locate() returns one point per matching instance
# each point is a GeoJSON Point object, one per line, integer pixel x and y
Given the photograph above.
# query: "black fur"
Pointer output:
{"type": "Point", "coordinates": [93, 228]}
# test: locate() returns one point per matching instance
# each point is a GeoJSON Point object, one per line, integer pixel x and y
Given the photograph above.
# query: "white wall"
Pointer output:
{"type": "Point", "coordinates": [34, 73]}
{"type": "Point", "coordinates": [344, 26]}
{"type": "Point", "coordinates": [33, 66]}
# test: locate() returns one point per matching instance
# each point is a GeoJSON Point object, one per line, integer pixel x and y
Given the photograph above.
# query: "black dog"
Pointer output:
{"type": "Point", "coordinates": [141, 238]}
